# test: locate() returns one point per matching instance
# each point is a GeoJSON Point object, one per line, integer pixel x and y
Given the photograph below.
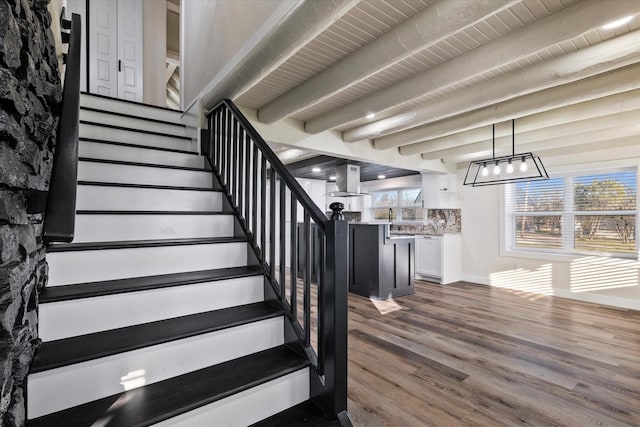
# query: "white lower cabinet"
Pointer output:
{"type": "Point", "coordinates": [438, 257]}
{"type": "Point", "coordinates": [428, 256]}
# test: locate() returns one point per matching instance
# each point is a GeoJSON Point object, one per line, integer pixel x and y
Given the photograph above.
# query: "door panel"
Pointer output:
{"type": "Point", "coordinates": [103, 46]}
{"type": "Point", "coordinates": [130, 49]}
{"type": "Point", "coordinates": [115, 43]}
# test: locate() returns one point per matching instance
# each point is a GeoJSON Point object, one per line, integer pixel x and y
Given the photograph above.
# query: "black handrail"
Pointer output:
{"type": "Point", "coordinates": [314, 211]}
{"type": "Point", "coordinates": [59, 219]}
{"type": "Point", "coordinates": [258, 188]}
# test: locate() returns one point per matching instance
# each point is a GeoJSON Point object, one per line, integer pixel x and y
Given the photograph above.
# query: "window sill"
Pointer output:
{"type": "Point", "coordinates": [540, 255]}
{"type": "Point", "coordinates": [559, 257]}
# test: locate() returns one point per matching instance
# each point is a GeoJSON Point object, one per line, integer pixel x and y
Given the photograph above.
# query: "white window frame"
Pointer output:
{"type": "Point", "coordinates": [398, 207]}
{"type": "Point", "coordinates": [507, 223]}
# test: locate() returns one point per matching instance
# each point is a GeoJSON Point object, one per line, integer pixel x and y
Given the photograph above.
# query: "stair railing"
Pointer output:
{"type": "Point", "coordinates": [60, 214]}
{"type": "Point", "coordinates": [303, 253]}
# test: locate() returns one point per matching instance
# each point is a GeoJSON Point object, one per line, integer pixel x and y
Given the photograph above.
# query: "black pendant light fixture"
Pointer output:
{"type": "Point", "coordinates": [505, 169]}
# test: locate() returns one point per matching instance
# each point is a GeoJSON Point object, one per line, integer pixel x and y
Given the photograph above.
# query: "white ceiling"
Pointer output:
{"type": "Point", "coordinates": [438, 73]}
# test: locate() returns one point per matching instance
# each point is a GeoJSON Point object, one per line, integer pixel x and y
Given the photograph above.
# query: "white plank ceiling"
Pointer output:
{"type": "Point", "coordinates": [560, 63]}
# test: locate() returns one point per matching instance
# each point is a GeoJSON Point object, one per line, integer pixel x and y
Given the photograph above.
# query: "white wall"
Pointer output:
{"type": "Point", "coordinates": [218, 34]}
{"type": "Point", "coordinates": [611, 281]}
{"type": "Point", "coordinates": [154, 21]}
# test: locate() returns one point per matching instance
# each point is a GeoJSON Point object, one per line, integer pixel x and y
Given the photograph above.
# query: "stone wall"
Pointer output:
{"type": "Point", "coordinates": [29, 100]}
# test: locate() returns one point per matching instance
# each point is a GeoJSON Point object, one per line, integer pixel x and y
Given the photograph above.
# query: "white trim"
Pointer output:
{"type": "Point", "coordinates": [544, 256]}
{"type": "Point", "coordinates": [181, 58]}
{"type": "Point", "coordinates": [598, 299]}
{"type": "Point", "coordinates": [478, 280]}
{"type": "Point", "coordinates": [186, 110]}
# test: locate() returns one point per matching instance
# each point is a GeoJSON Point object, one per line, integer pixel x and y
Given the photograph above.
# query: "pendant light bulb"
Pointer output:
{"type": "Point", "coordinates": [509, 167]}
{"type": "Point", "coordinates": [496, 169]}
{"type": "Point", "coordinates": [485, 170]}
{"type": "Point", "coordinates": [523, 165]}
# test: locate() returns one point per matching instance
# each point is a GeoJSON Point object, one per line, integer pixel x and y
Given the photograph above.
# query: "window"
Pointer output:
{"type": "Point", "coordinates": [405, 204]}
{"type": "Point", "coordinates": [573, 214]}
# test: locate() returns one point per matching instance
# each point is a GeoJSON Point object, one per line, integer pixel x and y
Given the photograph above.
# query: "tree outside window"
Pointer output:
{"type": "Point", "coordinates": [405, 205]}
{"type": "Point", "coordinates": [579, 213]}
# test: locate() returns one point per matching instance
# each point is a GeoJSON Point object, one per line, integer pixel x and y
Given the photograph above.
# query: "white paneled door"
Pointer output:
{"type": "Point", "coordinates": [115, 48]}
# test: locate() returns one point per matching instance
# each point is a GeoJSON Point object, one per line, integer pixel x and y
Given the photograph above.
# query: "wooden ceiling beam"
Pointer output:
{"type": "Point", "coordinates": [571, 134]}
{"type": "Point", "coordinates": [594, 109]}
{"type": "Point", "coordinates": [435, 23]}
{"type": "Point", "coordinates": [561, 26]}
{"type": "Point", "coordinates": [302, 25]}
{"type": "Point", "coordinates": [613, 82]}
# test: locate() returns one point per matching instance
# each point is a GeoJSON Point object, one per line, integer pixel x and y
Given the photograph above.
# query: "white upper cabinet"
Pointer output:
{"type": "Point", "coordinates": [439, 191]}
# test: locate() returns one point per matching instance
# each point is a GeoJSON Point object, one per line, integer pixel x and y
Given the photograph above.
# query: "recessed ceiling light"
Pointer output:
{"type": "Point", "coordinates": [316, 170]}
{"type": "Point", "coordinates": [381, 176]}
{"type": "Point", "coordinates": [332, 178]}
{"type": "Point", "coordinates": [617, 23]}
{"type": "Point", "coordinates": [371, 115]}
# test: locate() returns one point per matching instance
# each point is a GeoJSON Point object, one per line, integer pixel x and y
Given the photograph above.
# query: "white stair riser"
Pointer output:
{"type": "Point", "coordinates": [72, 385]}
{"type": "Point", "coordinates": [96, 150]}
{"type": "Point", "coordinates": [106, 228]}
{"type": "Point", "coordinates": [249, 406]}
{"type": "Point", "coordinates": [128, 174]}
{"type": "Point", "coordinates": [60, 319]}
{"type": "Point", "coordinates": [94, 197]}
{"type": "Point", "coordinates": [133, 137]}
{"type": "Point", "coordinates": [129, 108]}
{"type": "Point", "coordinates": [109, 264]}
{"type": "Point", "coordinates": [130, 122]}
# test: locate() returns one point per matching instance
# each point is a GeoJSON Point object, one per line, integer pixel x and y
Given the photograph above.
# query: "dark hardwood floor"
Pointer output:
{"type": "Point", "coordinates": [472, 355]}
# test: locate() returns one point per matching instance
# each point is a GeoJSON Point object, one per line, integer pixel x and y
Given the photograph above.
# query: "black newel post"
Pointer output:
{"type": "Point", "coordinates": [337, 208]}
{"type": "Point", "coordinates": [334, 398]}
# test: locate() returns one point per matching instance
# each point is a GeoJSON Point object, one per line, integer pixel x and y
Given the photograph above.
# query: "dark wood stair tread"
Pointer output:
{"type": "Point", "coordinates": [107, 212]}
{"type": "Point", "coordinates": [144, 147]}
{"type": "Point", "coordinates": [134, 284]}
{"type": "Point", "coordinates": [304, 414]}
{"type": "Point", "coordinates": [156, 402]}
{"type": "Point", "coordinates": [147, 186]}
{"type": "Point", "coordinates": [129, 244]}
{"type": "Point", "coordinates": [67, 351]}
{"type": "Point", "coordinates": [131, 116]}
{"type": "Point", "coordinates": [144, 165]}
{"type": "Point", "coordinates": [127, 101]}
{"type": "Point", "coordinates": [129, 129]}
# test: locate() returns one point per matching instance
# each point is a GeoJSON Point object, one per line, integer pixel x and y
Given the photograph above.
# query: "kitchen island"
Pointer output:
{"type": "Point", "coordinates": [380, 266]}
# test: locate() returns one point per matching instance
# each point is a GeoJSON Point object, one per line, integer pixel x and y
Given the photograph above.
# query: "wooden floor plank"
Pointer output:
{"type": "Point", "coordinates": [471, 355]}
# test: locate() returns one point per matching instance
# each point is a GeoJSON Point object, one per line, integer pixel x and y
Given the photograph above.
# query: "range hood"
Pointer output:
{"type": "Point", "coordinates": [347, 181]}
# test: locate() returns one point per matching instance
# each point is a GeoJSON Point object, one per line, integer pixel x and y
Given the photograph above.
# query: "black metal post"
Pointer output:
{"type": "Point", "coordinates": [283, 240]}
{"type": "Point", "coordinates": [247, 178]}
{"type": "Point", "coordinates": [294, 258]}
{"type": "Point", "coordinates": [272, 222]}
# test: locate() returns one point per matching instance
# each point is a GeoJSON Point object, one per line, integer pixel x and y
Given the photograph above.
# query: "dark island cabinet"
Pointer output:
{"type": "Point", "coordinates": [380, 267]}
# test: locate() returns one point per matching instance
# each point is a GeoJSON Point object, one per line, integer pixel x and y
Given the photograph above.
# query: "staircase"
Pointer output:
{"type": "Point", "coordinates": [159, 312]}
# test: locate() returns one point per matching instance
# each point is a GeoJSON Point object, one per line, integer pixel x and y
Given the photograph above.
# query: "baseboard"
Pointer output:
{"type": "Point", "coordinates": [480, 280]}
{"type": "Point", "coordinates": [598, 299]}
{"type": "Point", "coordinates": [578, 296]}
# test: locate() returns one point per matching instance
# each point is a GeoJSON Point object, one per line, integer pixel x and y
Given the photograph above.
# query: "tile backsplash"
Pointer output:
{"type": "Point", "coordinates": [444, 221]}
{"type": "Point", "coordinates": [439, 221]}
